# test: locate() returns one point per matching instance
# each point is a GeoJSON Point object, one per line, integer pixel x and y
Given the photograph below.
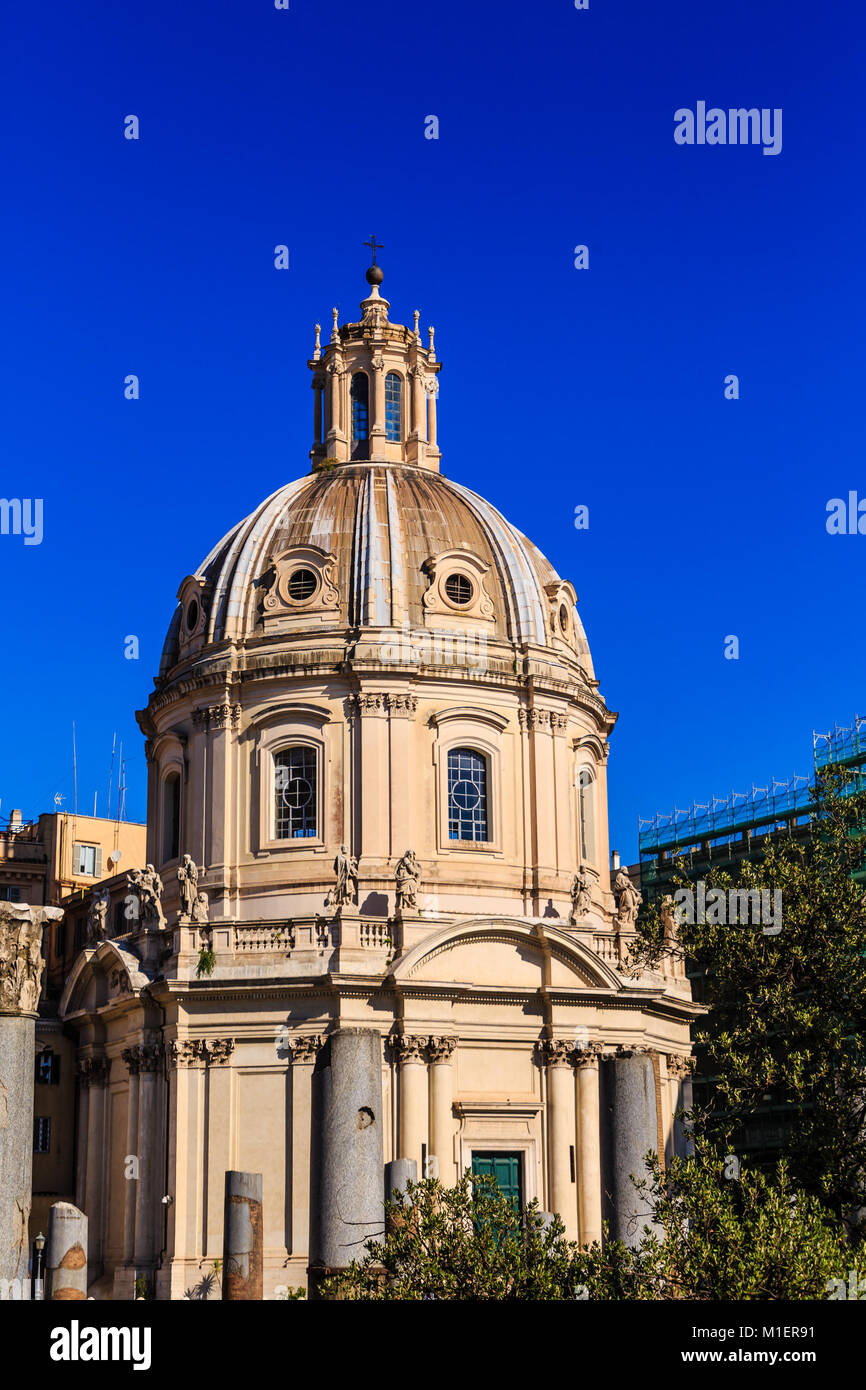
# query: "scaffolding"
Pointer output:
{"type": "Point", "coordinates": [726, 818]}
{"type": "Point", "coordinates": [740, 815]}
{"type": "Point", "coordinates": [842, 746]}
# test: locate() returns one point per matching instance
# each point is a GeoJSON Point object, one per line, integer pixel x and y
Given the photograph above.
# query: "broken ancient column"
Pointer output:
{"type": "Point", "coordinates": [242, 1237]}
{"type": "Point", "coordinates": [351, 1184]}
{"type": "Point", "coordinates": [634, 1131]}
{"type": "Point", "coordinates": [20, 982]}
{"type": "Point", "coordinates": [67, 1253]}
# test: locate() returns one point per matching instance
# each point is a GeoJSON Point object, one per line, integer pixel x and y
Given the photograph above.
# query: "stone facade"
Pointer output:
{"type": "Point", "coordinates": [374, 660]}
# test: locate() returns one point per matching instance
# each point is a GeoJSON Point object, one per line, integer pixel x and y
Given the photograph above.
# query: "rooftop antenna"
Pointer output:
{"type": "Point", "coordinates": [121, 784]}
{"type": "Point", "coordinates": [111, 773]}
{"type": "Point", "coordinates": [74, 772]}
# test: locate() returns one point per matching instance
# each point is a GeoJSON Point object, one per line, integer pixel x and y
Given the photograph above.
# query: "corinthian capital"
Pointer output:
{"type": "Point", "coordinates": [219, 1050]}
{"type": "Point", "coordinates": [188, 1052]}
{"type": "Point", "coordinates": [441, 1049]}
{"type": "Point", "coordinates": [409, 1048]}
{"type": "Point", "coordinates": [21, 955]}
{"type": "Point", "coordinates": [93, 1071]}
{"type": "Point", "coordinates": [304, 1049]}
{"type": "Point", "coordinates": [556, 1052]}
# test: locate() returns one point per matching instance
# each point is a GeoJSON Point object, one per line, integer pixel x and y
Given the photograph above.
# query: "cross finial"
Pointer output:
{"type": "Point", "coordinates": [374, 246]}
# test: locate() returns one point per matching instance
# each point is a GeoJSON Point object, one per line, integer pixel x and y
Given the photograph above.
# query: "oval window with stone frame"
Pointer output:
{"type": "Point", "coordinates": [302, 585]}
{"type": "Point", "coordinates": [459, 589]}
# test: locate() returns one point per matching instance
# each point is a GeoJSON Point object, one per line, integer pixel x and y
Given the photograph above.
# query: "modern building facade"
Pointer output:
{"type": "Point", "coordinates": [378, 734]}
{"type": "Point", "coordinates": [724, 833]}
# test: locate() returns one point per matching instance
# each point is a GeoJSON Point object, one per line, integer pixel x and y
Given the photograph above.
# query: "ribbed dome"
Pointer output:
{"type": "Point", "coordinates": [383, 524]}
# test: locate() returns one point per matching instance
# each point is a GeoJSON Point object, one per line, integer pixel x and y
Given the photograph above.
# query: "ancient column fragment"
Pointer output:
{"type": "Point", "coordinates": [351, 1182]}
{"type": "Point", "coordinates": [242, 1238]}
{"type": "Point", "coordinates": [633, 1122]}
{"type": "Point", "coordinates": [20, 984]}
{"type": "Point", "coordinates": [66, 1278]}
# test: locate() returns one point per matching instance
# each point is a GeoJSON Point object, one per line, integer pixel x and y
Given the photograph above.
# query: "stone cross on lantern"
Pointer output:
{"type": "Point", "coordinates": [374, 247]}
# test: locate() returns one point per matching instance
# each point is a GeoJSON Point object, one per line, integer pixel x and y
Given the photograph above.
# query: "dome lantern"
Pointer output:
{"type": "Point", "coordinates": [375, 389]}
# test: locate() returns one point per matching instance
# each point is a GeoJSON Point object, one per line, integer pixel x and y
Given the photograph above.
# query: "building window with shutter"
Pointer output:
{"type": "Point", "coordinates": [47, 1068]}
{"type": "Point", "coordinates": [87, 861]}
{"type": "Point", "coordinates": [42, 1134]}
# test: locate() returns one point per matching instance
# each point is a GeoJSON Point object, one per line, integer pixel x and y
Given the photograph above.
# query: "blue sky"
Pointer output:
{"type": "Point", "coordinates": [603, 387]}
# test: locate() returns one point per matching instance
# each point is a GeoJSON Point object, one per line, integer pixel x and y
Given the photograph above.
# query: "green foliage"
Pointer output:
{"type": "Point", "coordinates": [206, 962]}
{"type": "Point", "coordinates": [753, 1237]}
{"type": "Point", "coordinates": [202, 1291]}
{"type": "Point", "coordinates": [788, 1012]}
{"type": "Point", "coordinates": [463, 1242]}
{"type": "Point", "coordinates": [750, 1237]}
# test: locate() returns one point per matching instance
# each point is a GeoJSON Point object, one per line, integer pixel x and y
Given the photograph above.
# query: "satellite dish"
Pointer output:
{"type": "Point", "coordinates": [115, 855]}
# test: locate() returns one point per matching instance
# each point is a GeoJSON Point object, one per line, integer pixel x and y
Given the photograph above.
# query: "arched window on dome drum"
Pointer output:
{"type": "Point", "coordinates": [393, 408]}
{"type": "Point", "coordinates": [586, 798]}
{"type": "Point", "coordinates": [171, 816]}
{"type": "Point", "coordinates": [467, 795]}
{"type": "Point", "coordinates": [360, 408]}
{"type": "Point", "coordinates": [295, 794]}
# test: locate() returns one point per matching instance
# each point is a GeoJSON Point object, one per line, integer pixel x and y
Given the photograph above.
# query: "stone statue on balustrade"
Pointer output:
{"type": "Point", "coordinates": [580, 897]}
{"type": "Point", "coordinates": [97, 916]}
{"type": "Point", "coordinates": [345, 890]}
{"type": "Point", "coordinates": [628, 900]}
{"type": "Point", "coordinates": [670, 925]}
{"type": "Point", "coordinates": [187, 875]}
{"type": "Point", "coordinates": [147, 885]}
{"type": "Point", "coordinates": [408, 875]}
{"type": "Point", "coordinates": [200, 910]}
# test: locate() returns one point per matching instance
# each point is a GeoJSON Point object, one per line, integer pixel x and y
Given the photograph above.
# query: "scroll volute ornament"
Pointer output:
{"type": "Point", "coordinates": [194, 599]}
{"type": "Point", "coordinates": [561, 601]}
{"type": "Point", "coordinates": [280, 568]}
{"type": "Point", "coordinates": [463, 563]}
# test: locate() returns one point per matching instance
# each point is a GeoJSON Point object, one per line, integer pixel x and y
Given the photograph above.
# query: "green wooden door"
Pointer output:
{"type": "Point", "coordinates": [506, 1168]}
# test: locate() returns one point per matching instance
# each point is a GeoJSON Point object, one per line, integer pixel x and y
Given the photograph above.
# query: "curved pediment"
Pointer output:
{"type": "Point", "coordinates": [502, 953]}
{"type": "Point", "coordinates": [99, 975]}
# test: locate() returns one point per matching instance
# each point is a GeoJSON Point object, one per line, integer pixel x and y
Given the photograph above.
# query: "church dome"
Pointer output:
{"type": "Point", "coordinates": [376, 539]}
{"type": "Point", "coordinates": [375, 545]}
{"type": "Point", "coordinates": [376, 658]}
